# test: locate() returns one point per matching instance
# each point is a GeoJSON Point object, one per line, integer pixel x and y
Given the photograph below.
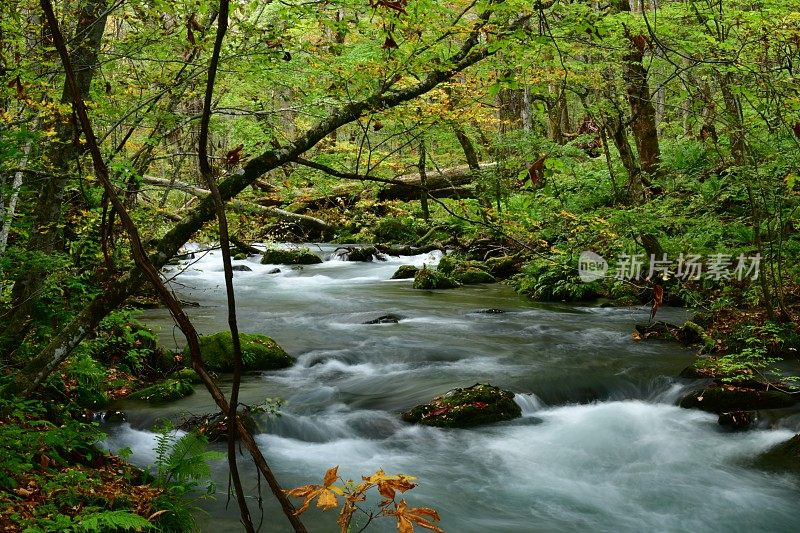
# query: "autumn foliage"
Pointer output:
{"type": "Point", "coordinates": [328, 494]}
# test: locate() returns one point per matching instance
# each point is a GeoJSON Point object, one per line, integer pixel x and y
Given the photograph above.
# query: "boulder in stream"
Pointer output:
{"type": "Point", "coordinates": [405, 272]}
{"type": "Point", "coordinates": [259, 352]}
{"type": "Point", "coordinates": [466, 407]}
{"type": "Point", "coordinates": [297, 256]}
{"type": "Point", "coordinates": [785, 456]}
{"type": "Point", "coordinates": [241, 268]}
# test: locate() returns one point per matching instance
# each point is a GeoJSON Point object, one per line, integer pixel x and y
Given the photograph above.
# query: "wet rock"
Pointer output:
{"type": "Point", "coordinates": [113, 417]}
{"type": "Point", "coordinates": [298, 256]}
{"type": "Point", "coordinates": [240, 256]}
{"type": "Point", "coordinates": [352, 253]}
{"type": "Point", "coordinates": [167, 391]}
{"type": "Point", "coordinates": [433, 279]}
{"type": "Point", "coordinates": [385, 319]}
{"type": "Point", "coordinates": [737, 420]}
{"type": "Point", "coordinates": [241, 268]}
{"type": "Point", "coordinates": [259, 352]}
{"type": "Point", "coordinates": [466, 407]}
{"type": "Point", "coordinates": [491, 311]}
{"type": "Point", "coordinates": [405, 272]}
{"type": "Point", "coordinates": [274, 271]}
{"type": "Point", "coordinates": [728, 398]}
{"type": "Point", "coordinates": [783, 457]}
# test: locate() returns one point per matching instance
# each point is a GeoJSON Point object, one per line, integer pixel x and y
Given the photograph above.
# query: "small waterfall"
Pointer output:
{"type": "Point", "coordinates": [529, 403]}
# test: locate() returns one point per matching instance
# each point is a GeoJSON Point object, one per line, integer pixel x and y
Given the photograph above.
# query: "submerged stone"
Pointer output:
{"type": "Point", "coordinates": [466, 407]}
{"type": "Point", "coordinates": [405, 272]}
{"type": "Point", "coordinates": [259, 352]}
{"type": "Point", "coordinates": [300, 256]}
{"type": "Point", "coordinates": [385, 319]}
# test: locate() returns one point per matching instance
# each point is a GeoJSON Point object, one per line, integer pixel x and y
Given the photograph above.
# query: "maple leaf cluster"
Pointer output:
{"type": "Point", "coordinates": [388, 485]}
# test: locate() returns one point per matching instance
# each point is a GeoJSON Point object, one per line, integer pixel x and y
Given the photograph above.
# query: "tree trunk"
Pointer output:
{"type": "Point", "coordinates": [46, 235]}
{"type": "Point", "coordinates": [643, 113]}
{"type": "Point", "coordinates": [423, 181]}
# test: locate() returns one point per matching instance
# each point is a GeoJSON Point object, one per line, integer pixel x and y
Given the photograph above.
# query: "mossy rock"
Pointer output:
{"type": "Point", "coordinates": [433, 279]}
{"type": "Point", "coordinates": [405, 272]}
{"type": "Point", "coordinates": [259, 352]}
{"type": "Point", "coordinates": [166, 391]}
{"type": "Point", "coordinates": [724, 399]}
{"type": "Point", "coordinates": [466, 407]}
{"type": "Point", "coordinates": [785, 456]}
{"type": "Point", "coordinates": [472, 276]}
{"type": "Point", "coordinates": [240, 256]}
{"type": "Point", "coordinates": [300, 256]}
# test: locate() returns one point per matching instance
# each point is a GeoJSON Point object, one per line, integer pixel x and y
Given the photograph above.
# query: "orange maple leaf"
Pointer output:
{"type": "Point", "coordinates": [325, 493]}
{"type": "Point", "coordinates": [422, 516]}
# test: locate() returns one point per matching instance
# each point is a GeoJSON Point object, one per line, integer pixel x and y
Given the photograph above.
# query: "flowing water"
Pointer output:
{"type": "Point", "coordinates": [601, 445]}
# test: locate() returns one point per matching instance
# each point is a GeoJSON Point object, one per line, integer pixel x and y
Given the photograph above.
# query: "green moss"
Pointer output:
{"type": "Point", "coordinates": [395, 230]}
{"type": "Point", "coordinates": [259, 352]}
{"type": "Point", "coordinates": [466, 407]}
{"type": "Point", "coordinates": [166, 391]}
{"type": "Point", "coordinates": [446, 264]}
{"type": "Point", "coordinates": [472, 276]}
{"type": "Point", "coordinates": [240, 256]}
{"type": "Point", "coordinates": [405, 272]}
{"type": "Point", "coordinates": [188, 375]}
{"type": "Point", "coordinates": [300, 256]}
{"type": "Point", "coordinates": [433, 279]}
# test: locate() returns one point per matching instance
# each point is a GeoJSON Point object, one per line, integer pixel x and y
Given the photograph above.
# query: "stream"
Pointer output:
{"type": "Point", "coordinates": [601, 445]}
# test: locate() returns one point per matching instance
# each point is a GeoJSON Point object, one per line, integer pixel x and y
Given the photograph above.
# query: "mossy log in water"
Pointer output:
{"type": "Point", "coordinates": [278, 256]}
{"type": "Point", "coordinates": [166, 391]}
{"type": "Point", "coordinates": [724, 399]}
{"type": "Point", "coordinates": [215, 426]}
{"type": "Point", "coordinates": [466, 407]}
{"type": "Point", "coordinates": [259, 352]}
{"type": "Point", "coordinates": [405, 272]}
{"type": "Point", "coordinates": [433, 279]}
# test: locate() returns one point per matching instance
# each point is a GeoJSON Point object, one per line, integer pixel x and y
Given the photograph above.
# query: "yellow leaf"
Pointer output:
{"type": "Point", "coordinates": [330, 476]}
{"type": "Point", "coordinates": [327, 500]}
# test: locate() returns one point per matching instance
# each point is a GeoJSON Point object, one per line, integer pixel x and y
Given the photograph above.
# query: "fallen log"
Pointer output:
{"type": "Point", "coordinates": [305, 221]}
{"type": "Point", "coordinates": [448, 183]}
